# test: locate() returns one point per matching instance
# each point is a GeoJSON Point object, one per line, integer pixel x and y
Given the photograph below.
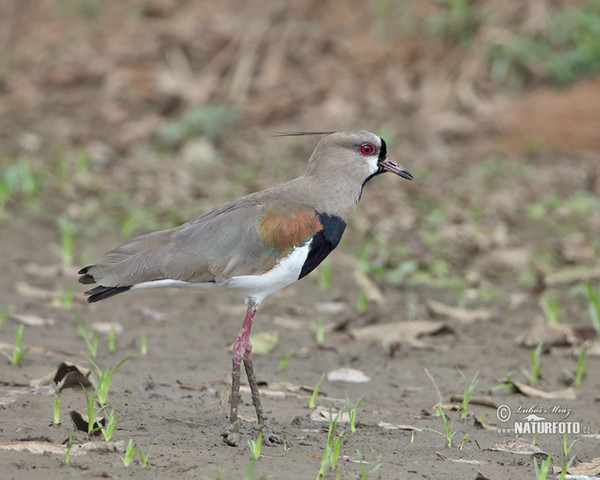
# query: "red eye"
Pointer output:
{"type": "Point", "coordinates": [366, 149]}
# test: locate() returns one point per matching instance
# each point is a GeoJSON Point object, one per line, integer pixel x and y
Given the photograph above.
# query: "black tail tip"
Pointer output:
{"type": "Point", "coordinates": [100, 292]}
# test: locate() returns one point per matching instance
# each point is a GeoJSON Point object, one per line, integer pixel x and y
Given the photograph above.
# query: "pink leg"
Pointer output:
{"type": "Point", "coordinates": [241, 351]}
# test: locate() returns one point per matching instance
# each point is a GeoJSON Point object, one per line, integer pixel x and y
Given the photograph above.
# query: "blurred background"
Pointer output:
{"type": "Point", "coordinates": [136, 115]}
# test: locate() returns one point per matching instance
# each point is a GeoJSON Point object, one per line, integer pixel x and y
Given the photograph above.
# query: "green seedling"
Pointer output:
{"type": "Point", "coordinates": [541, 471]}
{"type": "Point", "coordinates": [319, 332]}
{"type": "Point", "coordinates": [508, 383]}
{"type": "Point", "coordinates": [143, 345]}
{"type": "Point", "coordinates": [110, 424]}
{"type": "Point", "coordinates": [4, 314]}
{"type": "Point", "coordinates": [68, 453]}
{"type": "Point", "coordinates": [90, 338]}
{"type": "Point", "coordinates": [83, 162]}
{"type": "Point", "coordinates": [129, 453]}
{"type": "Point", "coordinates": [324, 278]}
{"type": "Point", "coordinates": [255, 446]}
{"type": "Point", "coordinates": [18, 351]}
{"type": "Point", "coordinates": [331, 453]}
{"type": "Point", "coordinates": [467, 392]}
{"type": "Point", "coordinates": [284, 361]}
{"type": "Point", "coordinates": [93, 424]}
{"type": "Point", "coordinates": [566, 449]}
{"type": "Point", "coordinates": [536, 365]}
{"type": "Point", "coordinates": [581, 367]}
{"type": "Point", "coordinates": [353, 412]}
{"type": "Point", "coordinates": [313, 398]}
{"type": "Point", "coordinates": [56, 417]}
{"type": "Point", "coordinates": [447, 434]}
{"type": "Point", "coordinates": [362, 302]}
{"type": "Point", "coordinates": [464, 440]}
{"type": "Point", "coordinates": [66, 298]}
{"type": "Point", "coordinates": [594, 298]}
{"type": "Point", "coordinates": [66, 251]}
{"type": "Point", "coordinates": [111, 339]}
{"type": "Point", "coordinates": [550, 304]}
{"type": "Point", "coordinates": [366, 471]}
{"type": "Point", "coordinates": [103, 378]}
{"type": "Point", "coordinates": [144, 456]}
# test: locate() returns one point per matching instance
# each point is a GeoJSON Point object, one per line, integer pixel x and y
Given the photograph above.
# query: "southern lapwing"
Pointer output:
{"type": "Point", "coordinates": [254, 245]}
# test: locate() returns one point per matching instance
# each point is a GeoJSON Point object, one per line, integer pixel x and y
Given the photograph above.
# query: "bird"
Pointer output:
{"type": "Point", "coordinates": [254, 245]}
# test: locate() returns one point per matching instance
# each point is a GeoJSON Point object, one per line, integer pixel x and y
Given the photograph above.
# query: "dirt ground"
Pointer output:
{"type": "Point", "coordinates": [434, 277]}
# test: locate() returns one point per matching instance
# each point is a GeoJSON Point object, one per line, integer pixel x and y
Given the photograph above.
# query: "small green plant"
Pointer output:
{"type": "Point", "coordinates": [4, 314]}
{"type": "Point", "coordinates": [66, 251]}
{"type": "Point", "coordinates": [333, 446]}
{"type": "Point", "coordinates": [129, 453]}
{"type": "Point", "coordinates": [255, 446]}
{"type": "Point", "coordinates": [362, 302]}
{"type": "Point", "coordinates": [319, 332]}
{"type": "Point", "coordinates": [103, 379]}
{"type": "Point", "coordinates": [353, 412]}
{"type": "Point", "coordinates": [324, 278]}
{"type": "Point", "coordinates": [90, 338]}
{"type": "Point", "coordinates": [92, 414]}
{"type": "Point", "coordinates": [541, 471]}
{"type": "Point", "coordinates": [455, 19]}
{"type": "Point", "coordinates": [284, 361]}
{"type": "Point", "coordinates": [467, 392]}
{"type": "Point", "coordinates": [111, 339]}
{"type": "Point", "coordinates": [144, 456]}
{"type": "Point", "coordinates": [594, 307]}
{"type": "Point", "coordinates": [447, 434]}
{"type": "Point", "coordinates": [536, 365]}
{"type": "Point", "coordinates": [550, 303]}
{"type": "Point", "coordinates": [566, 449]}
{"type": "Point", "coordinates": [313, 398]}
{"type": "Point", "coordinates": [365, 471]}
{"type": "Point", "coordinates": [508, 383]}
{"type": "Point", "coordinates": [18, 351]}
{"type": "Point", "coordinates": [143, 345]}
{"type": "Point", "coordinates": [68, 453]}
{"type": "Point", "coordinates": [66, 298]}
{"type": "Point", "coordinates": [56, 416]}
{"type": "Point", "coordinates": [581, 367]}
{"type": "Point", "coordinates": [109, 427]}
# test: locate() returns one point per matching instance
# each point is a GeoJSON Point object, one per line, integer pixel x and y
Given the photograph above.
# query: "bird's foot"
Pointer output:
{"type": "Point", "coordinates": [231, 436]}
{"type": "Point", "coordinates": [270, 439]}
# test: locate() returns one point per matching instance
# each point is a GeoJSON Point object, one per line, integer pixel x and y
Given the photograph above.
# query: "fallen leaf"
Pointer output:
{"type": "Point", "coordinates": [66, 375]}
{"type": "Point", "coordinates": [591, 468]}
{"type": "Point", "coordinates": [331, 307]}
{"type": "Point", "coordinates": [350, 375]}
{"type": "Point", "coordinates": [77, 449]}
{"type": "Point", "coordinates": [518, 447]}
{"type": "Point", "coordinates": [23, 288]}
{"type": "Point", "coordinates": [400, 332]}
{"type": "Point", "coordinates": [528, 390]}
{"type": "Point", "coordinates": [82, 423]}
{"type": "Point", "coordinates": [459, 460]}
{"type": "Point", "coordinates": [370, 288]}
{"type": "Point", "coordinates": [461, 315]}
{"type": "Point", "coordinates": [105, 327]}
{"type": "Point", "coordinates": [486, 401]}
{"type": "Point", "coordinates": [543, 332]}
{"type": "Point", "coordinates": [391, 426]}
{"type": "Point", "coordinates": [321, 414]}
{"type": "Point", "coordinates": [571, 275]}
{"type": "Point", "coordinates": [32, 320]}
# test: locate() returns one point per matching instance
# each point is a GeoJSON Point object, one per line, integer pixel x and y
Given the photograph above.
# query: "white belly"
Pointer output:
{"type": "Point", "coordinates": [257, 287]}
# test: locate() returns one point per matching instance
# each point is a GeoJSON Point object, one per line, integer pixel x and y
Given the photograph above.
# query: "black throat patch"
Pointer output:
{"type": "Point", "coordinates": [323, 242]}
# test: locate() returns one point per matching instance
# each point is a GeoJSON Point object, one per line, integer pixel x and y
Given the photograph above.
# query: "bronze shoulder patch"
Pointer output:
{"type": "Point", "coordinates": [286, 228]}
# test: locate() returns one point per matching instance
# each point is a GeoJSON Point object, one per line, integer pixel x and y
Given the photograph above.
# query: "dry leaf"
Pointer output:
{"type": "Point", "coordinates": [486, 401]}
{"type": "Point", "coordinates": [76, 449]}
{"type": "Point", "coordinates": [591, 468]}
{"type": "Point", "coordinates": [321, 414]}
{"type": "Point", "coordinates": [106, 327]}
{"type": "Point", "coordinates": [571, 275]}
{"type": "Point", "coordinates": [370, 289]}
{"type": "Point", "coordinates": [391, 426]}
{"type": "Point", "coordinates": [32, 320]}
{"type": "Point", "coordinates": [528, 390]}
{"type": "Point", "coordinates": [459, 460]}
{"type": "Point", "coordinates": [461, 315]}
{"type": "Point", "coordinates": [66, 375]}
{"type": "Point", "coordinates": [400, 332]}
{"type": "Point", "coordinates": [543, 332]}
{"type": "Point", "coordinates": [350, 375]}
{"type": "Point", "coordinates": [518, 447]}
